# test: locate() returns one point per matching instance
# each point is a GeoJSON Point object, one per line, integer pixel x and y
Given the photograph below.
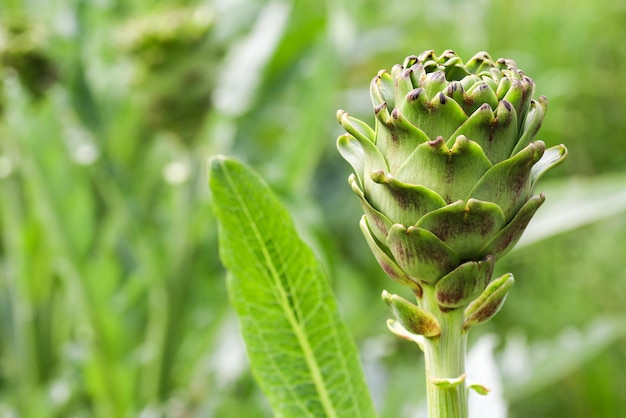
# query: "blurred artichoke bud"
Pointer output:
{"type": "Point", "coordinates": [175, 58]}
{"type": "Point", "coordinates": [446, 178]}
{"type": "Point", "coordinates": [24, 49]}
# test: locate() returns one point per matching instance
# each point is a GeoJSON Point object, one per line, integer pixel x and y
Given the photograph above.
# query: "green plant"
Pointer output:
{"type": "Point", "coordinates": [112, 299]}
{"type": "Point", "coordinates": [446, 181]}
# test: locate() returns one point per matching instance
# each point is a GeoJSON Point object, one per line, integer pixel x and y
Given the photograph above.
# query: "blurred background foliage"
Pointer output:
{"type": "Point", "coordinates": [112, 299]}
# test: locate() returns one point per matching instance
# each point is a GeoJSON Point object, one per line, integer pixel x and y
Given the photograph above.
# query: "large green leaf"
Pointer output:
{"type": "Point", "coordinates": [300, 351]}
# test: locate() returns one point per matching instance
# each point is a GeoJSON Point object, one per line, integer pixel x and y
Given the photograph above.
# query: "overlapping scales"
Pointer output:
{"type": "Point", "coordinates": [447, 175]}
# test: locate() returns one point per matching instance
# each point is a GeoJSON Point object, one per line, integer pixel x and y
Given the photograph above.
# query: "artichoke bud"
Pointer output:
{"type": "Point", "coordinates": [24, 49]}
{"type": "Point", "coordinates": [175, 55]}
{"type": "Point", "coordinates": [489, 302]}
{"type": "Point", "coordinates": [413, 318]}
{"type": "Point", "coordinates": [446, 177]}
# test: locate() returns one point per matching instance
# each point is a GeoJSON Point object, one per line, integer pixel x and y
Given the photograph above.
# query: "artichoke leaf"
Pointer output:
{"type": "Point", "coordinates": [381, 223]}
{"type": "Point", "coordinates": [482, 61]}
{"type": "Point", "coordinates": [465, 227]}
{"type": "Point", "coordinates": [464, 284]}
{"type": "Point", "coordinates": [397, 138]}
{"type": "Point", "coordinates": [361, 154]}
{"type": "Point", "coordinates": [385, 261]}
{"type": "Point", "coordinates": [437, 117]}
{"type": "Point", "coordinates": [356, 127]}
{"type": "Point", "coordinates": [433, 83]}
{"type": "Point", "coordinates": [450, 171]}
{"type": "Point", "coordinates": [551, 158]}
{"type": "Point", "coordinates": [404, 83]}
{"type": "Point", "coordinates": [532, 123]}
{"type": "Point", "coordinates": [382, 89]}
{"type": "Point", "coordinates": [520, 95]}
{"type": "Point", "coordinates": [506, 239]}
{"type": "Point", "coordinates": [489, 302]}
{"type": "Point", "coordinates": [480, 94]}
{"type": "Point", "coordinates": [495, 132]}
{"type": "Point", "coordinates": [413, 318]}
{"type": "Point", "coordinates": [402, 202]}
{"type": "Point", "coordinates": [420, 253]}
{"type": "Point", "coordinates": [507, 183]}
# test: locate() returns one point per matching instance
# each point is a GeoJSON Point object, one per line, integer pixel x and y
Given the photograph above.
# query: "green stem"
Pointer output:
{"type": "Point", "coordinates": [445, 362]}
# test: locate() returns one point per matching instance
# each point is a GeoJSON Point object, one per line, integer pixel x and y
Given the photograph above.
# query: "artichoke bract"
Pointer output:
{"type": "Point", "coordinates": [446, 178]}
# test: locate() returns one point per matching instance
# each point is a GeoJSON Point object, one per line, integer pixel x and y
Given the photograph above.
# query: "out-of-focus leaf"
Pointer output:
{"type": "Point", "coordinates": [482, 369]}
{"type": "Point", "coordinates": [573, 203]}
{"type": "Point", "coordinates": [300, 351]}
{"type": "Point", "coordinates": [246, 61]}
{"type": "Point", "coordinates": [528, 368]}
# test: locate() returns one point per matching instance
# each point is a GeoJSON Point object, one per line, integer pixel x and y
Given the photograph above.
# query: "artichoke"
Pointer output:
{"type": "Point", "coordinates": [446, 178]}
{"type": "Point", "coordinates": [176, 58]}
{"type": "Point", "coordinates": [24, 49]}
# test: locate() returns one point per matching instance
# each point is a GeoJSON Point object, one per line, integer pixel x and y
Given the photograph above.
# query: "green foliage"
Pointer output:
{"type": "Point", "coordinates": [112, 299]}
{"type": "Point", "coordinates": [300, 351]}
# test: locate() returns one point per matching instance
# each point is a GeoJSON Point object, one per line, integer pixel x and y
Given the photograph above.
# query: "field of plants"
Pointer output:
{"type": "Point", "coordinates": [112, 298]}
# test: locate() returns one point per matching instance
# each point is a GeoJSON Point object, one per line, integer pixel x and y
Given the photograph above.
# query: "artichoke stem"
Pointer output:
{"type": "Point", "coordinates": [447, 392]}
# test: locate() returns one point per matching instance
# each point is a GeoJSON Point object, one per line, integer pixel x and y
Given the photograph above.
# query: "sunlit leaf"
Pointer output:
{"type": "Point", "coordinates": [300, 352]}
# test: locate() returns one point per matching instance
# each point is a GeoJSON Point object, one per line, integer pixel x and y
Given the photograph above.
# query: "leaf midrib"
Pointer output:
{"type": "Point", "coordinates": [300, 333]}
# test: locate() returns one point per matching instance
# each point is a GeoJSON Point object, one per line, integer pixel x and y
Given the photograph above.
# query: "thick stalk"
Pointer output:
{"type": "Point", "coordinates": [445, 362]}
